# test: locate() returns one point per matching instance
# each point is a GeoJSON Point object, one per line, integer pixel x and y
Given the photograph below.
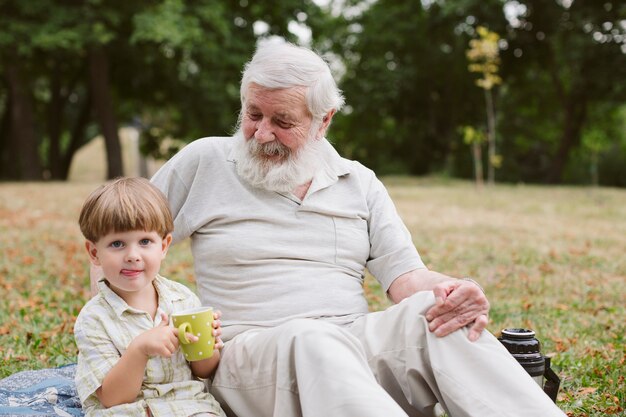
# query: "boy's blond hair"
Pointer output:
{"type": "Point", "coordinates": [126, 204]}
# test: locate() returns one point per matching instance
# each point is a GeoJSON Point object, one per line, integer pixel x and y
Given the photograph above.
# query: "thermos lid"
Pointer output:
{"type": "Point", "coordinates": [518, 333]}
{"type": "Point", "coordinates": [520, 341]}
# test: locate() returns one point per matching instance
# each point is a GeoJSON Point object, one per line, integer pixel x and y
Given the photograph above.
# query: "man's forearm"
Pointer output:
{"type": "Point", "coordinates": [417, 280]}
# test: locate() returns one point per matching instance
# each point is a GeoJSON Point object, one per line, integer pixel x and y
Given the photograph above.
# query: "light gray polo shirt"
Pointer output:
{"type": "Point", "coordinates": [263, 258]}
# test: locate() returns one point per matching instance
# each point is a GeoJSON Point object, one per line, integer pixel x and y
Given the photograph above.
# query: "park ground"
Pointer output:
{"type": "Point", "coordinates": [549, 258]}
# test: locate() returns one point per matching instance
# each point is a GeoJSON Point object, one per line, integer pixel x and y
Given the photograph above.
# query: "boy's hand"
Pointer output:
{"type": "Point", "coordinates": [160, 341]}
{"type": "Point", "coordinates": [217, 329]}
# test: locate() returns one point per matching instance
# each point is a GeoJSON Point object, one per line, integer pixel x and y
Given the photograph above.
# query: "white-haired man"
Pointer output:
{"type": "Point", "coordinates": [282, 229]}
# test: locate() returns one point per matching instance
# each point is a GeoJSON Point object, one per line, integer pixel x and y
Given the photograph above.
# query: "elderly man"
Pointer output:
{"type": "Point", "coordinates": [282, 229]}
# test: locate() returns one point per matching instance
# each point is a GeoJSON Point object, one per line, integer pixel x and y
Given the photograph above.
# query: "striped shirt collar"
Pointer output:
{"type": "Point", "coordinates": [120, 306]}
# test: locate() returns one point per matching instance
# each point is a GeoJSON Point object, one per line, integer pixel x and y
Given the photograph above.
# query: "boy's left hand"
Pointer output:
{"type": "Point", "coordinates": [217, 329]}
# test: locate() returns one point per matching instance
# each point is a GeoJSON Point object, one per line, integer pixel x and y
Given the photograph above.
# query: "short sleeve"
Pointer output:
{"type": "Point", "coordinates": [97, 354]}
{"type": "Point", "coordinates": [392, 252]}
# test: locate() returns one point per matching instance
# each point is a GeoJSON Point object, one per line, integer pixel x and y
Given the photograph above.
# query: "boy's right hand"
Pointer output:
{"type": "Point", "coordinates": [159, 341]}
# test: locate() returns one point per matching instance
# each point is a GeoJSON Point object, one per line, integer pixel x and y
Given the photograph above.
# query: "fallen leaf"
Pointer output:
{"type": "Point", "coordinates": [586, 391]}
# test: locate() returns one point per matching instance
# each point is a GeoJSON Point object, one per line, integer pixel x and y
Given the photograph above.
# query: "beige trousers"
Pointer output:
{"type": "Point", "coordinates": [385, 364]}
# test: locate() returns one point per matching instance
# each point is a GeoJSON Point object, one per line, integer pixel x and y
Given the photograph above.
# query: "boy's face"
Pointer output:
{"type": "Point", "coordinates": [129, 260]}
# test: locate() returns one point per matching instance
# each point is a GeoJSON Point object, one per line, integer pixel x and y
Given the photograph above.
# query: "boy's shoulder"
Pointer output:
{"type": "Point", "coordinates": [94, 309]}
{"type": "Point", "coordinates": [174, 288]}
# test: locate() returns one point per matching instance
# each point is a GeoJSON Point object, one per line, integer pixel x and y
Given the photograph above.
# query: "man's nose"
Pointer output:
{"type": "Point", "coordinates": [264, 132]}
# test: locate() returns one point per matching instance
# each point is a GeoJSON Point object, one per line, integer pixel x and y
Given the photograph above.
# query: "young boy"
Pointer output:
{"type": "Point", "coordinates": [129, 363]}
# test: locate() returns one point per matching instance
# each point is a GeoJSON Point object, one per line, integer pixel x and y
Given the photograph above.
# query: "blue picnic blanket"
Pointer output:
{"type": "Point", "coordinates": [40, 393]}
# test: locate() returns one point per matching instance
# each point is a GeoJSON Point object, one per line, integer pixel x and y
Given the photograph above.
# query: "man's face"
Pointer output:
{"type": "Point", "coordinates": [276, 117]}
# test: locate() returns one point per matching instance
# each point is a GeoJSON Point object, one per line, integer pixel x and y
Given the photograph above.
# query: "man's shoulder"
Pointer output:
{"type": "Point", "coordinates": [196, 161]}
{"type": "Point", "coordinates": [212, 144]}
{"type": "Point", "coordinates": [357, 171]}
{"type": "Point", "coordinates": [343, 165]}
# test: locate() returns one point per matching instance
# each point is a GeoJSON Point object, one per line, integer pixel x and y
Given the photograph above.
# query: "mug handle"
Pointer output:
{"type": "Point", "coordinates": [182, 333]}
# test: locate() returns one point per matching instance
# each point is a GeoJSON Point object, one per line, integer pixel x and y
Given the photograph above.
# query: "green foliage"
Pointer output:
{"type": "Point", "coordinates": [484, 55]}
{"type": "Point", "coordinates": [472, 135]}
{"type": "Point", "coordinates": [175, 66]}
{"type": "Point", "coordinates": [406, 87]}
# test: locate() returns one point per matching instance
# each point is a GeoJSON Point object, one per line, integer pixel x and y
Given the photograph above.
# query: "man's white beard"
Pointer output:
{"type": "Point", "coordinates": [293, 169]}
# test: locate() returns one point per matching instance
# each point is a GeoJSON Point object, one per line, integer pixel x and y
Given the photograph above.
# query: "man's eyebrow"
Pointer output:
{"type": "Point", "coordinates": [284, 115]}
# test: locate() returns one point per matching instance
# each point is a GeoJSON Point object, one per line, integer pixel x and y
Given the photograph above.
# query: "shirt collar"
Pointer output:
{"type": "Point", "coordinates": [333, 167]}
{"type": "Point", "coordinates": [119, 306]}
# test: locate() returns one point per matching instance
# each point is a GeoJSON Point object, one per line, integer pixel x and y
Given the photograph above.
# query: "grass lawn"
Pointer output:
{"type": "Point", "coordinates": [550, 258]}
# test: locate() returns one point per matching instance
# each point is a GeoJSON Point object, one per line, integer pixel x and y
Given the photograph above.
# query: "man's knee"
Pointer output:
{"type": "Point", "coordinates": [315, 337]}
{"type": "Point", "coordinates": [416, 305]}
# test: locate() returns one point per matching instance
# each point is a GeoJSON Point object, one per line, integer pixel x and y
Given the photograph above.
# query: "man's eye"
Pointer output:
{"type": "Point", "coordinates": [254, 116]}
{"type": "Point", "coordinates": [284, 125]}
{"type": "Point", "coordinates": [117, 244]}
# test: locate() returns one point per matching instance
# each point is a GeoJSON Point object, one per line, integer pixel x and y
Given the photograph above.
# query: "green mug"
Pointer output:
{"type": "Point", "coordinates": [199, 322]}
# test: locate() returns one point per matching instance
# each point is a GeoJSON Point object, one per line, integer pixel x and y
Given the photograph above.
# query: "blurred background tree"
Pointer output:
{"type": "Point", "coordinates": [73, 70]}
{"type": "Point", "coordinates": [484, 57]}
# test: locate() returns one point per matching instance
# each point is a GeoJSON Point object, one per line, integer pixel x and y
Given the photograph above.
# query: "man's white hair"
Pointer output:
{"type": "Point", "coordinates": [284, 65]}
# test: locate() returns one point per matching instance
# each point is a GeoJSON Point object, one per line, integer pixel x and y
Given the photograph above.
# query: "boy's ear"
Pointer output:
{"type": "Point", "coordinates": [93, 252]}
{"type": "Point", "coordinates": [167, 241]}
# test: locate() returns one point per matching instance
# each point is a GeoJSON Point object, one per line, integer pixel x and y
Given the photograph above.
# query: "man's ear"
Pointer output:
{"type": "Point", "coordinates": [92, 250]}
{"type": "Point", "coordinates": [325, 123]}
{"type": "Point", "coordinates": [167, 241]}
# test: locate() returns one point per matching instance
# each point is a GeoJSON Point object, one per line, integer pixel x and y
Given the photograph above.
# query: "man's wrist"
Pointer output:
{"type": "Point", "coordinates": [473, 282]}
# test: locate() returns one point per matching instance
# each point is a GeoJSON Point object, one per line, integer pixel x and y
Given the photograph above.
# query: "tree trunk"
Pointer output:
{"type": "Point", "coordinates": [491, 137]}
{"type": "Point", "coordinates": [103, 105]}
{"type": "Point", "coordinates": [55, 117]}
{"type": "Point", "coordinates": [478, 163]}
{"type": "Point", "coordinates": [573, 121]}
{"type": "Point", "coordinates": [6, 160]}
{"type": "Point", "coordinates": [22, 127]}
{"type": "Point", "coordinates": [77, 138]}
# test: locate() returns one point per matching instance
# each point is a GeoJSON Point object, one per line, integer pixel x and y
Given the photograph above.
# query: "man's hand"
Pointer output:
{"type": "Point", "coordinates": [458, 303]}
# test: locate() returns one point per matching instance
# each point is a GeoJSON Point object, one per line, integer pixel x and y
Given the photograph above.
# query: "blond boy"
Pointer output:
{"type": "Point", "coordinates": [129, 361]}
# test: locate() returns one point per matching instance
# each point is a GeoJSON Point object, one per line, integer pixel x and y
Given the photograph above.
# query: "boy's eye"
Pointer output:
{"type": "Point", "coordinates": [117, 244]}
{"type": "Point", "coordinates": [144, 242]}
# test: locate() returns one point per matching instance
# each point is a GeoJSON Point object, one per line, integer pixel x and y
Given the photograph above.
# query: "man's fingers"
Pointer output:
{"type": "Point", "coordinates": [447, 308]}
{"type": "Point", "coordinates": [462, 313]}
{"type": "Point", "coordinates": [441, 295]}
{"type": "Point", "coordinates": [464, 306]}
{"type": "Point", "coordinates": [477, 328]}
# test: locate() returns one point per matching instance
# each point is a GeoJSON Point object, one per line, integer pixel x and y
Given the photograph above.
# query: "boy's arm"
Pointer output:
{"type": "Point", "coordinates": [122, 383]}
{"type": "Point", "coordinates": [206, 367]}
